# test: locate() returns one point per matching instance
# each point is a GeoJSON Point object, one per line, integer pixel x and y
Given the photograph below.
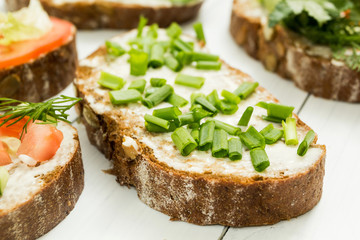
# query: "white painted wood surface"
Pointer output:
{"type": "Point", "coordinates": [108, 211]}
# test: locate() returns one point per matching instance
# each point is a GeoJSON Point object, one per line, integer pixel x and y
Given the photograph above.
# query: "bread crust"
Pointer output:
{"type": "Point", "coordinates": [286, 54]}
{"type": "Point", "coordinates": [48, 207]}
{"type": "Point", "coordinates": [111, 14]}
{"type": "Point", "coordinates": [201, 199]}
{"type": "Point", "coordinates": [41, 78]}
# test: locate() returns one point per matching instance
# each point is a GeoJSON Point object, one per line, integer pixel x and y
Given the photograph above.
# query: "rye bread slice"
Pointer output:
{"type": "Point", "coordinates": [198, 189]}
{"type": "Point", "coordinates": [111, 14]}
{"type": "Point", "coordinates": [43, 77]}
{"type": "Point", "coordinates": [36, 199]}
{"type": "Point", "coordinates": [311, 67]}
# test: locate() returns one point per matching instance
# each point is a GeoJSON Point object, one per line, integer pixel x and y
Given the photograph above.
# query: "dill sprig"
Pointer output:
{"type": "Point", "coordinates": [49, 112]}
{"type": "Point", "coordinates": [352, 60]}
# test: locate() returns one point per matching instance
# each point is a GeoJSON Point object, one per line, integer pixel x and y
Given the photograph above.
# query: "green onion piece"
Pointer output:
{"type": "Point", "coordinates": [194, 125]}
{"type": "Point", "coordinates": [206, 104]}
{"type": "Point", "coordinates": [158, 96]}
{"type": "Point", "coordinates": [262, 105]}
{"type": "Point", "coordinates": [157, 129]}
{"type": "Point", "coordinates": [114, 49]}
{"type": "Point", "coordinates": [195, 133]}
{"type": "Point", "coordinates": [111, 81]}
{"type": "Point", "coordinates": [207, 130]}
{"type": "Point", "coordinates": [199, 32]}
{"type": "Point", "coordinates": [176, 100]}
{"type": "Point", "coordinates": [193, 97]}
{"type": "Point", "coordinates": [189, 81]}
{"type": "Point", "coordinates": [156, 56]}
{"type": "Point", "coordinates": [276, 110]}
{"type": "Point", "coordinates": [230, 97]}
{"type": "Point", "coordinates": [174, 30]}
{"type": "Point", "coordinates": [220, 147]}
{"type": "Point", "coordinates": [124, 96]}
{"type": "Point", "coordinates": [138, 85]}
{"type": "Point", "coordinates": [252, 138]}
{"type": "Point", "coordinates": [246, 89]}
{"type": "Point", "coordinates": [228, 108]}
{"type": "Point", "coordinates": [142, 23]}
{"type": "Point", "coordinates": [245, 118]}
{"type": "Point", "coordinates": [271, 119]}
{"type": "Point", "coordinates": [150, 91]}
{"type": "Point", "coordinates": [305, 144]}
{"type": "Point", "coordinates": [213, 98]}
{"type": "Point", "coordinates": [152, 32]}
{"type": "Point", "coordinates": [4, 177]}
{"type": "Point", "coordinates": [157, 82]}
{"type": "Point", "coordinates": [184, 58]}
{"type": "Point", "coordinates": [234, 131]}
{"type": "Point", "coordinates": [290, 132]}
{"type": "Point", "coordinates": [207, 65]}
{"type": "Point", "coordinates": [157, 121]}
{"type": "Point", "coordinates": [235, 149]}
{"type": "Point", "coordinates": [259, 159]}
{"type": "Point", "coordinates": [172, 63]}
{"type": "Point", "coordinates": [138, 63]}
{"type": "Point", "coordinates": [183, 141]}
{"type": "Point", "coordinates": [201, 56]}
{"type": "Point", "coordinates": [169, 113]}
{"type": "Point", "coordinates": [182, 46]}
{"type": "Point", "coordinates": [271, 134]}
{"type": "Point", "coordinates": [185, 119]}
{"type": "Point", "coordinates": [200, 113]}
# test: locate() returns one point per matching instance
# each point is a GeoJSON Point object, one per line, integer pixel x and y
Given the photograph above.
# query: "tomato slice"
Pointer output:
{"type": "Point", "coordinates": [4, 155]}
{"type": "Point", "coordinates": [13, 130]}
{"type": "Point", "coordinates": [22, 52]}
{"type": "Point", "coordinates": [41, 142]}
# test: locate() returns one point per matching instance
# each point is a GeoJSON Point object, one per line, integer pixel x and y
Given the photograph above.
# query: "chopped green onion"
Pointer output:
{"type": "Point", "coordinates": [207, 130]}
{"type": "Point", "coordinates": [228, 108]}
{"type": "Point", "coordinates": [156, 56]}
{"type": "Point", "coordinates": [150, 91]}
{"type": "Point", "coordinates": [235, 149]}
{"type": "Point", "coordinates": [157, 82]}
{"type": "Point", "coordinates": [142, 23]}
{"type": "Point", "coordinates": [174, 30]}
{"type": "Point", "coordinates": [124, 96]}
{"type": "Point", "coordinates": [207, 65]}
{"type": "Point", "coordinates": [252, 138]}
{"type": "Point", "coordinates": [234, 131]}
{"type": "Point", "coordinates": [305, 144]}
{"type": "Point", "coordinates": [213, 98]}
{"type": "Point", "coordinates": [138, 63]}
{"type": "Point", "coordinates": [199, 32]}
{"type": "Point", "coordinates": [157, 121]}
{"type": "Point", "coordinates": [157, 129]}
{"type": "Point", "coordinates": [245, 118]}
{"type": "Point", "coordinates": [230, 97]}
{"type": "Point", "coordinates": [206, 104]}
{"type": "Point", "coordinates": [152, 32]}
{"type": "Point", "coordinates": [184, 58]}
{"type": "Point", "coordinates": [220, 147]}
{"type": "Point", "coordinates": [114, 49]}
{"type": "Point", "coordinates": [182, 46]}
{"type": "Point", "coordinates": [276, 110]}
{"type": "Point", "coordinates": [246, 89]}
{"type": "Point", "coordinates": [271, 119]}
{"type": "Point", "coordinates": [193, 97]}
{"type": "Point", "coordinates": [200, 113]}
{"type": "Point", "coordinates": [189, 81]}
{"type": "Point", "coordinates": [111, 81]}
{"type": "Point", "coordinates": [4, 177]}
{"type": "Point", "coordinates": [138, 85]}
{"type": "Point", "coordinates": [169, 113]}
{"type": "Point", "coordinates": [290, 132]}
{"type": "Point", "coordinates": [172, 63]}
{"type": "Point", "coordinates": [183, 141]}
{"type": "Point", "coordinates": [259, 159]}
{"type": "Point", "coordinates": [195, 133]}
{"type": "Point", "coordinates": [271, 134]}
{"type": "Point", "coordinates": [185, 119]}
{"type": "Point", "coordinates": [176, 100]}
{"type": "Point", "coordinates": [201, 56]}
{"type": "Point", "coordinates": [194, 125]}
{"type": "Point", "coordinates": [158, 96]}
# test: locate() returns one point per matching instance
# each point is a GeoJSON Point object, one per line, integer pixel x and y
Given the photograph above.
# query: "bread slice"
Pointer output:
{"type": "Point", "coordinates": [43, 77]}
{"type": "Point", "coordinates": [36, 199]}
{"type": "Point", "coordinates": [311, 67]}
{"type": "Point", "coordinates": [118, 14]}
{"type": "Point", "coordinates": [198, 189]}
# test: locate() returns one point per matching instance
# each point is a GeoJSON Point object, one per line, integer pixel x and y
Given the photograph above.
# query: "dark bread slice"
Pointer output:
{"type": "Point", "coordinates": [59, 188]}
{"type": "Point", "coordinates": [311, 67]}
{"type": "Point", "coordinates": [41, 78]}
{"type": "Point", "coordinates": [203, 198]}
{"type": "Point", "coordinates": [107, 14]}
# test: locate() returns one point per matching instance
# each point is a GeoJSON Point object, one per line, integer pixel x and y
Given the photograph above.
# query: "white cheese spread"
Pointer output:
{"type": "Point", "coordinates": [151, 3]}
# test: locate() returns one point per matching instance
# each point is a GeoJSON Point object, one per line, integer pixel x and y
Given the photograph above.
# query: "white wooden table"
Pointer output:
{"type": "Point", "coordinates": [107, 210]}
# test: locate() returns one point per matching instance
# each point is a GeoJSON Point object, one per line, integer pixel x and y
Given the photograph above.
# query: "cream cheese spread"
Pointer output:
{"type": "Point", "coordinates": [151, 3]}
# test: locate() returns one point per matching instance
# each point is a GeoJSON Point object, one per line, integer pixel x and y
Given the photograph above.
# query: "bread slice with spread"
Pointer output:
{"type": "Point", "coordinates": [157, 147]}
{"type": "Point", "coordinates": [38, 54]}
{"type": "Point", "coordinates": [313, 43]}
{"type": "Point", "coordinates": [41, 170]}
{"type": "Point", "coordinates": [117, 14]}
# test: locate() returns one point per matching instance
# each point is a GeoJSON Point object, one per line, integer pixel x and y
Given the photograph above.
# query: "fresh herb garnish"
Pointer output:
{"type": "Point", "coordinates": [50, 112]}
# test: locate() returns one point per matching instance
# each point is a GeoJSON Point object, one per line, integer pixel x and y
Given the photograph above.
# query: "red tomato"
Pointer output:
{"type": "Point", "coordinates": [22, 52]}
{"type": "Point", "coordinates": [41, 142]}
{"type": "Point", "coordinates": [13, 130]}
{"type": "Point", "coordinates": [4, 155]}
